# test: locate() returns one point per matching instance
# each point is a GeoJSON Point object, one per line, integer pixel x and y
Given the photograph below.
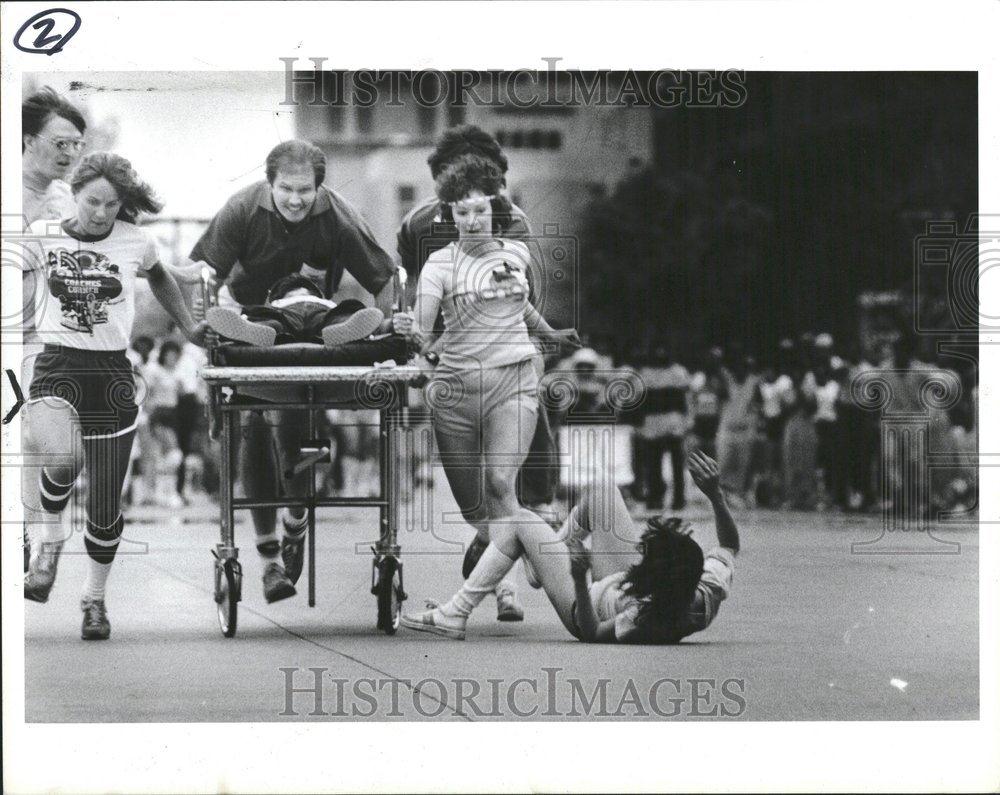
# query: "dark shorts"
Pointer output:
{"type": "Point", "coordinates": [100, 385]}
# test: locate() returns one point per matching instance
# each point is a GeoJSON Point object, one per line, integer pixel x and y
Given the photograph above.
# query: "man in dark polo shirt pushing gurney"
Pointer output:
{"type": "Point", "coordinates": [288, 223]}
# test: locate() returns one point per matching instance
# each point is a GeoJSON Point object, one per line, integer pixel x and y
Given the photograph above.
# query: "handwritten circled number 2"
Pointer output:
{"type": "Point", "coordinates": [47, 32]}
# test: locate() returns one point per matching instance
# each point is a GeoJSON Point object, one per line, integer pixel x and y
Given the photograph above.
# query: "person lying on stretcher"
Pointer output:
{"type": "Point", "coordinates": [296, 311]}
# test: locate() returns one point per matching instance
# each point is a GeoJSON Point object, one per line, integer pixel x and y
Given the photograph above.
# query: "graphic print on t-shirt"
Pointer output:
{"type": "Point", "coordinates": [86, 284]}
{"type": "Point", "coordinates": [507, 279]}
{"type": "Point", "coordinates": [487, 279]}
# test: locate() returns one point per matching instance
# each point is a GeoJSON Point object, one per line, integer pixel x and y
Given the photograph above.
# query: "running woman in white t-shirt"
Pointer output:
{"type": "Point", "coordinates": [82, 408]}
{"type": "Point", "coordinates": [483, 393]}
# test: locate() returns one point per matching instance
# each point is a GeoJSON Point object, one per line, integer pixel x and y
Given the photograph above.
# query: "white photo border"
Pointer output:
{"type": "Point", "coordinates": [754, 36]}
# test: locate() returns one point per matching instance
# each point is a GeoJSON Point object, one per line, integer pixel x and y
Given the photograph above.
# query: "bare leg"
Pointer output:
{"type": "Point", "coordinates": [51, 432]}
{"type": "Point", "coordinates": [507, 435]}
{"type": "Point", "coordinates": [550, 558]}
{"type": "Point", "coordinates": [461, 460]}
{"type": "Point", "coordinates": [613, 536]}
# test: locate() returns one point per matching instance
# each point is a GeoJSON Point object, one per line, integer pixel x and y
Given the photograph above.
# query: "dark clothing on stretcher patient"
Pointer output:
{"type": "Point", "coordinates": [303, 321]}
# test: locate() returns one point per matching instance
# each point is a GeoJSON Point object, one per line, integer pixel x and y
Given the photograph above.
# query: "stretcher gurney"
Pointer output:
{"type": "Point", "coordinates": [310, 377]}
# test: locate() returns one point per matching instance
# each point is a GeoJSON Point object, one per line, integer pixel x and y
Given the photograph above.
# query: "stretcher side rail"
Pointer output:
{"type": "Point", "coordinates": [275, 376]}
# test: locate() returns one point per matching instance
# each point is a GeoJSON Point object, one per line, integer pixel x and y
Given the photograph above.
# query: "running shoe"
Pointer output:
{"type": "Point", "coordinates": [436, 623]}
{"type": "Point", "coordinates": [508, 606]}
{"type": "Point", "coordinates": [277, 586]}
{"type": "Point", "coordinates": [231, 325]}
{"type": "Point", "coordinates": [358, 326]}
{"type": "Point", "coordinates": [42, 571]}
{"type": "Point", "coordinates": [95, 620]}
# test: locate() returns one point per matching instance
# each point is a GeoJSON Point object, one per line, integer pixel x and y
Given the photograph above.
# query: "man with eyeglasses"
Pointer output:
{"type": "Point", "coordinates": [52, 131]}
{"type": "Point", "coordinates": [52, 140]}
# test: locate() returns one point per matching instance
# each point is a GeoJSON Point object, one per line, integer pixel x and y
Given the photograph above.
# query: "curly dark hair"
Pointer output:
{"type": "Point", "coordinates": [43, 104]}
{"type": "Point", "coordinates": [136, 196]}
{"type": "Point", "coordinates": [468, 173]}
{"type": "Point", "coordinates": [664, 581]}
{"type": "Point", "coordinates": [466, 139]}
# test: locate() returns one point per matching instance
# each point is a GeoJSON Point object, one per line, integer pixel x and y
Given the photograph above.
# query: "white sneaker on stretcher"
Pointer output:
{"type": "Point", "coordinates": [358, 326]}
{"type": "Point", "coordinates": [231, 325]}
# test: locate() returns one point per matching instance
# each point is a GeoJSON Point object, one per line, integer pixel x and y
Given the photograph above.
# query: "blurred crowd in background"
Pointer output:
{"type": "Point", "coordinates": [789, 428]}
{"type": "Point", "coordinates": [795, 429]}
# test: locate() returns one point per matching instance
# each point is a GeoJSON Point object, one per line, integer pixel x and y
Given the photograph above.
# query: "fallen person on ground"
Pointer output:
{"type": "Point", "coordinates": [658, 591]}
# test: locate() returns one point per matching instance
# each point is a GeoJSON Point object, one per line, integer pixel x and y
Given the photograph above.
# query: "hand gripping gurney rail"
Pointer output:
{"type": "Point", "coordinates": [243, 378]}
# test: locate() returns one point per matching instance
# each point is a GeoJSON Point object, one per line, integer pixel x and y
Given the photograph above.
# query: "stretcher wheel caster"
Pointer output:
{"type": "Point", "coordinates": [389, 590]}
{"type": "Point", "coordinates": [228, 581]}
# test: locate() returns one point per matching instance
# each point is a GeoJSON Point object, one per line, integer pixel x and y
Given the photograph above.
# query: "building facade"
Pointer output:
{"type": "Point", "coordinates": [560, 156]}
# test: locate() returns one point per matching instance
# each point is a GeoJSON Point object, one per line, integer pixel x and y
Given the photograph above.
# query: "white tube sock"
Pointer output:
{"type": "Point", "coordinates": [493, 566]}
{"type": "Point", "coordinates": [96, 579]}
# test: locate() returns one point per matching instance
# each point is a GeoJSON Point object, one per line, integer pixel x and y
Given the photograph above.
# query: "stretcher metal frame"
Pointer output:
{"type": "Point", "coordinates": [236, 390]}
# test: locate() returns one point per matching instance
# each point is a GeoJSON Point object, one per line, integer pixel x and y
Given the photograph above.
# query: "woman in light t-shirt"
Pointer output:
{"type": "Point", "coordinates": [83, 393]}
{"type": "Point", "coordinates": [483, 393]}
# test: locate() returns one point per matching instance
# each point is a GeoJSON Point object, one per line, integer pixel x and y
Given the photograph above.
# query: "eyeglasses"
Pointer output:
{"type": "Point", "coordinates": [74, 145]}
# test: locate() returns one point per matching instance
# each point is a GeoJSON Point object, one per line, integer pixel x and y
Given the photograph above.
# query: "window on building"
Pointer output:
{"type": "Point", "coordinates": [530, 139]}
